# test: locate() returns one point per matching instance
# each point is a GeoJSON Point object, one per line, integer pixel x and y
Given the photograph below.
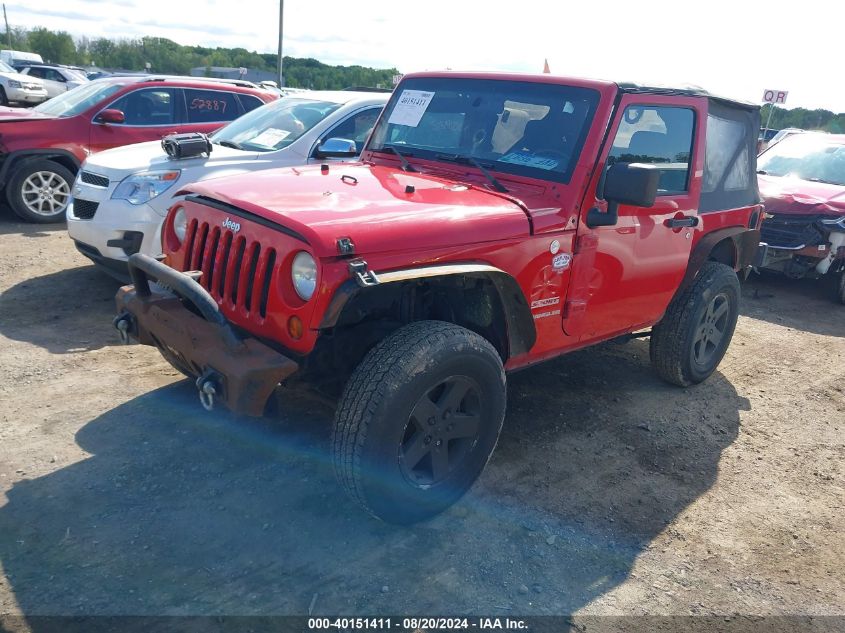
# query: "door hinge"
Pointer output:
{"type": "Point", "coordinates": [364, 277]}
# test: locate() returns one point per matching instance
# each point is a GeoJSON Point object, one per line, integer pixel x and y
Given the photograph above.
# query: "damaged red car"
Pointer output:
{"type": "Point", "coordinates": [802, 182]}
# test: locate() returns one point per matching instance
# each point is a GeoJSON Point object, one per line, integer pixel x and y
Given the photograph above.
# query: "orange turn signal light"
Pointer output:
{"type": "Point", "coordinates": [295, 327]}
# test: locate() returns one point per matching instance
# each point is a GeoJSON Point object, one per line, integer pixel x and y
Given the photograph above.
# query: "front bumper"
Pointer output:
{"type": "Point", "coordinates": [111, 222]}
{"type": "Point", "coordinates": [26, 95]}
{"type": "Point", "coordinates": [180, 318]}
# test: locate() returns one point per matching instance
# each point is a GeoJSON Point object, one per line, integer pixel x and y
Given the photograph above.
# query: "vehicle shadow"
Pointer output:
{"type": "Point", "coordinates": [11, 224]}
{"type": "Point", "coordinates": [63, 312]}
{"type": "Point", "coordinates": [803, 304]}
{"type": "Point", "coordinates": [181, 512]}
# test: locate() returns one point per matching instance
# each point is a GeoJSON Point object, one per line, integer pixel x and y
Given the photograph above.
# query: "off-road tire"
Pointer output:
{"type": "Point", "coordinates": [4, 101]}
{"type": "Point", "coordinates": [675, 343]}
{"type": "Point", "coordinates": [15, 194]}
{"type": "Point", "coordinates": [379, 408]}
{"type": "Point", "coordinates": [840, 287]}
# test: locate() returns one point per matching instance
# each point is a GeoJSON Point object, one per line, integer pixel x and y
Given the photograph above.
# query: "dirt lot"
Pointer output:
{"type": "Point", "coordinates": [610, 492]}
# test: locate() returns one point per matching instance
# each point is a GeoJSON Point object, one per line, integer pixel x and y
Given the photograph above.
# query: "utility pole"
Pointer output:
{"type": "Point", "coordinates": [9, 33]}
{"type": "Point", "coordinates": [281, 31]}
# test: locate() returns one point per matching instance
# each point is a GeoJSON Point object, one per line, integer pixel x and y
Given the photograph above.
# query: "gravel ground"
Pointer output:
{"type": "Point", "coordinates": [610, 492]}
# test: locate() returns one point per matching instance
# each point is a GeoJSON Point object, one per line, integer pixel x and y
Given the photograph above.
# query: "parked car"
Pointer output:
{"type": "Point", "coordinates": [12, 58]}
{"type": "Point", "coordinates": [802, 181]}
{"type": "Point", "coordinates": [17, 88]}
{"type": "Point", "coordinates": [495, 221]}
{"type": "Point", "coordinates": [41, 149]}
{"type": "Point", "coordinates": [57, 79]}
{"type": "Point", "coordinates": [121, 196]}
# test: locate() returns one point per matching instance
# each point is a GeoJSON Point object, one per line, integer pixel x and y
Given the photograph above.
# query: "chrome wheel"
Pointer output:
{"type": "Point", "coordinates": [45, 193]}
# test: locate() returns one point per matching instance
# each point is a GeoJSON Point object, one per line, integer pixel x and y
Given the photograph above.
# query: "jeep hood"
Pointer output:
{"type": "Point", "coordinates": [380, 208]}
{"type": "Point", "coordinates": [793, 196]}
{"type": "Point", "coordinates": [148, 156]}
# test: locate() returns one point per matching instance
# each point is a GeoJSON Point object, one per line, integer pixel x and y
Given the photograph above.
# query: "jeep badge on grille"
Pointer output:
{"type": "Point", "coordinates": [233, 226]}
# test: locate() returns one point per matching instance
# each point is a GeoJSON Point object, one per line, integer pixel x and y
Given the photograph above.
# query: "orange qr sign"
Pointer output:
{"type": "Point", "coordinates": [774, 96]}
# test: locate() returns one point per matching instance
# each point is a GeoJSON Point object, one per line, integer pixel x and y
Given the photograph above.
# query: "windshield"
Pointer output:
{"type": "Point", "coordinates": [806, 156]}
{"type": "Point", "coordinates": [78, 99]}
{"type": "Point", "coordinates": [275, 125]}
{"type": "Point", "coordinates": [518, 127]}
{"type": "Point", "coordinates": [5, 68]}
{"type": "Point", "coordinates": [76, 74]}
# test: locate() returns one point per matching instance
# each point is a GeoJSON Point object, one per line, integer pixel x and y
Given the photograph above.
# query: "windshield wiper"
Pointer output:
{"type": "Point", "coordinates": [406, 166]}
{"type": "Point", "coordinates": [470, 160]}
{"type": "Point", "coordinates": [762, 172]}
{"type": "Point", "coordinates": [231, 144]}
{"type": "Point", "coordinates": [823, 181]}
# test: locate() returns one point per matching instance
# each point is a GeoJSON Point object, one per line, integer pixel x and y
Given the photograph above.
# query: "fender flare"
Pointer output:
{"type": "Point", "coordinates": [16, 158]}
{"type": "Point", "coordinates": [519, 322]}
{"type": "Point", "coordinates": [744, 242]}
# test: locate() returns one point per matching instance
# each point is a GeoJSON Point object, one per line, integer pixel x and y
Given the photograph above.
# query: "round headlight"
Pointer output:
{"type": "Point", "coordinates": [304, 275]}
{"type": "Point", "coordinates": [180, 224]}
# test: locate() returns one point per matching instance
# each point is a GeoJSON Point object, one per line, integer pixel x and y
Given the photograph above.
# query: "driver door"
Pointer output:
{"type": "Point", "coordinates": [624, 276]}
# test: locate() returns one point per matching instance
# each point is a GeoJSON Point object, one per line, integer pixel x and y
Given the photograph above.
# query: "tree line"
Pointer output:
{"type": "Point", "coordinates": [167, 57]}
{"type": "Point", "coordinates": [805, 119]}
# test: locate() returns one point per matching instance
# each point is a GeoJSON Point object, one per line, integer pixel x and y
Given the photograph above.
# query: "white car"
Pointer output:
{"type": "Point", "coordinates": [17, 88]}
{"type": "Point", "coordinates": [57, 79]}
{"type": "Point", "coordinates": [121, 196]}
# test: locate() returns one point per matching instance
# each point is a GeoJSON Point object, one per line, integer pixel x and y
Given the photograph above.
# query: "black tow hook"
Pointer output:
{"type": "Point", "coordinates": [207, 386]}
{"type": "Point", "coordinates": [124, 323]}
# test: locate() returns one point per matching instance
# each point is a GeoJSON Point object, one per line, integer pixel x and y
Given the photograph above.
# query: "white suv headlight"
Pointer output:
{"type": "Point", "coordinates": [304, 274]}
{"type": "Point", "coordinates": [143, 187]}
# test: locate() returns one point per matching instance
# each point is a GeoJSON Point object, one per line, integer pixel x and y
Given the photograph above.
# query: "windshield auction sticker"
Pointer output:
{"type": "Point", "coordinates": [411, 106]}
{"type": "Point", "coordinates": [529, 160]}
{"type": "Point", "coordinates": [269, 137]}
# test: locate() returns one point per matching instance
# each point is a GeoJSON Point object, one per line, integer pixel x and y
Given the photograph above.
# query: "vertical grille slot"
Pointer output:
{"type": "Point", "coordinates": [199, 247]}
{"type": "Point", "coordinates": [189, 244]}
{"type": "Point", "coordinates": [264, 281]}
{"type": "Point", "coordinates": [222, 265]}
{"type": "Point", "coordinates": [208, 258]}
{"type": "Point", "coordinates": [234, 273]}
{"type": "Point", "coordinates": [255, 247]}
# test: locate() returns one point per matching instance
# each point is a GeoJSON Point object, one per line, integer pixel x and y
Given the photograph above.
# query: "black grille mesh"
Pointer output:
{"type": "Point", "coordinates": [84, 209]}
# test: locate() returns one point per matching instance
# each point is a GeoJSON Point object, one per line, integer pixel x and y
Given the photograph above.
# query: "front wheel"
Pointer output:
{"type": "Point", "coordinates": [693, 336]}
{"type": "Point", "coordinates": [418, 420]}
{"type": "Point", "coordinates": [39, 191]}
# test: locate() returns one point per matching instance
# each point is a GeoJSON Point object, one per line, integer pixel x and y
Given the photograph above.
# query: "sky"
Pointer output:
{"type": "Point", "coordinates": [733, 48]}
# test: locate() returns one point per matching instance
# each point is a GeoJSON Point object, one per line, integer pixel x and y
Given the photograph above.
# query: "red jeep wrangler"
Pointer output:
{"type": "Point", "coordinates": [494, 221]}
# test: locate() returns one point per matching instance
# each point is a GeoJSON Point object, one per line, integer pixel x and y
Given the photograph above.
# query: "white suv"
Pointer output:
{"type": "Point", "coordinates": [57, 79]}
{"type": "Point", "coordinates": [15, 87]}
{"type": "Point", "coordinates": [121, 196]}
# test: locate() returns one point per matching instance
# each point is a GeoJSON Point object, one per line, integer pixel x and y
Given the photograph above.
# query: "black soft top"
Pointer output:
{"type": "Point", "coordinates": [684, 91]}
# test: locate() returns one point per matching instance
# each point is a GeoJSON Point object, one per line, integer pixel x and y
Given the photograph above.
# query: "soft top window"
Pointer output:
{"type": "Point", "coordinates": [730, 161]}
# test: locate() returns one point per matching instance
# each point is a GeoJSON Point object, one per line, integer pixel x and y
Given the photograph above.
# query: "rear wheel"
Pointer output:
{"type": "Point", "coordinates": [693, 336]}
{"type": "Point", "coordinates": [4, 101]}
{"type": "Point", "coordinates": [418, 420]}
{"type": "Point", "coordinates": [39, 191]}
{"type": "Point", "coordinates": [840, 287]}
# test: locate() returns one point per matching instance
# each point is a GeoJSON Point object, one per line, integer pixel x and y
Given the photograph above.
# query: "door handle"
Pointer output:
{"type": "Point", "coordinates": [683, 221]}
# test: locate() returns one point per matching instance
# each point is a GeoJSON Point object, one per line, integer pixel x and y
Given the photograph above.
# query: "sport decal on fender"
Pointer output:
{"type": "Point", "coordinates": [543, 315]}
{"type": "Point", "coordinates": [562, 261]}
{"type": "Point", "coordinates": [544, 303]}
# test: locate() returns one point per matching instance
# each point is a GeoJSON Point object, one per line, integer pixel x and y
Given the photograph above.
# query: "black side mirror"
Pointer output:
{"type": "Point", "coordinates": [625, 183]}
{"type": "Point", "coordinates": [336, 148]}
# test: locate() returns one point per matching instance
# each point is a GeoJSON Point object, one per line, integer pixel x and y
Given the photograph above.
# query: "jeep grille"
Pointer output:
{"type": "Point", "coordinates": [237, 272]}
